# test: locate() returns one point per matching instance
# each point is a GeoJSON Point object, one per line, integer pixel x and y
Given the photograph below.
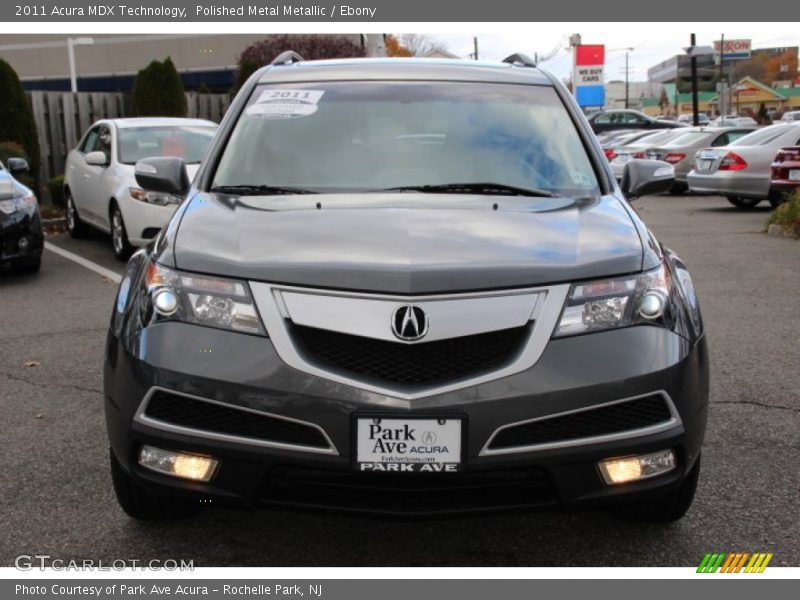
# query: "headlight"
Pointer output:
{"type": "Point", "coordinates": [618, 302]}
{"type": "Point", "coordinates": [199, 299]}
{"type": "Point", "coordinates": [157, 198]}
{"type": "Point", "coordinates": [19, 203]}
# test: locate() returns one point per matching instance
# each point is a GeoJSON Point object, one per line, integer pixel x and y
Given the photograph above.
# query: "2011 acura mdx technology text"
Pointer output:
{"type": "Point", "coordinates": [405, 287]}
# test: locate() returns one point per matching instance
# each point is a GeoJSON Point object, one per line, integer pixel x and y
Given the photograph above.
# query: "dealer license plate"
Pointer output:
{"type": "Point", "coordinates": [704, 164]}
{"type": "Point", "coordinates": [398, 445]}
{"type": "Point", "coordinates": [794, 174]}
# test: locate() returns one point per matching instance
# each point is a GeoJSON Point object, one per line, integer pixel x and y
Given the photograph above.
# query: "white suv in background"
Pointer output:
{"type": "Point", "coordinates": [99, 183]}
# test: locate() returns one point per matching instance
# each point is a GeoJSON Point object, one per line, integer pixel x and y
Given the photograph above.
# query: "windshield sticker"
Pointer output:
{"type": "Point", "coordinates": [580, 178]}
{"type": "Point", "coordinates": [285, 104]}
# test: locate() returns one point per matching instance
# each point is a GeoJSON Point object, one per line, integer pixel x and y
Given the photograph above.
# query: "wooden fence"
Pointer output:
{"type": "Point", "coordinates": [62, 118]}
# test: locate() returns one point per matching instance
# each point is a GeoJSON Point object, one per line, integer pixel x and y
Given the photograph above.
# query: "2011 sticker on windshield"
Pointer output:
{"type": "Point", "coordinates": [285, 104]}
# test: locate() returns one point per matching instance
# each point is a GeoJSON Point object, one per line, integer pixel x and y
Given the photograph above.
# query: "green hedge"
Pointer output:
{"type": "Point", "coordinates": [787, 215]}
{"type": "Point", "coordinates": [56, 188]}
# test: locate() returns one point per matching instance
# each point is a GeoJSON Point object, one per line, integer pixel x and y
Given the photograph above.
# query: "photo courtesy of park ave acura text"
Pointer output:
{"type": "Point", "coordinates": [468, 296]}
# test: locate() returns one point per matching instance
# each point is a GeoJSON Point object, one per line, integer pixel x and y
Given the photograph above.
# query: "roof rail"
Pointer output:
{"type": "Point", "coordinates": [519, 59]}
{"type": "Point", "coordinates": [287, 58]}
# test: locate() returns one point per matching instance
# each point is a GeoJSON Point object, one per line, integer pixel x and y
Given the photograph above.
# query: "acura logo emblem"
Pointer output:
{"type": "Point", "coordinates": [409, 323]}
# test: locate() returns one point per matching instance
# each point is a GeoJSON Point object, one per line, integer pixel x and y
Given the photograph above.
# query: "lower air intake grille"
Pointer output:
{"type": "Point", "coordinates": [615, 418]}
{"type": "Point", "coordinates": [407, 494]}
{"type": "Point", "coordinates": [411, 364]}
{"type": "Point", "coordinates": [206, 416]}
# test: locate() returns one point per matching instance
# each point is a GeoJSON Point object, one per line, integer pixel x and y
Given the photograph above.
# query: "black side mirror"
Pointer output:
{"type": "Point", "coordinates": [646, 177]}
{"type": "Point", "coordinates": [166, 174]}
{"type": "Point", "coordinates": [18, 166]}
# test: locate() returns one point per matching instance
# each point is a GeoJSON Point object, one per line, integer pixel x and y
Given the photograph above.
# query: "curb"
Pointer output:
{"type": "Point", "coordinates": [57, 222]}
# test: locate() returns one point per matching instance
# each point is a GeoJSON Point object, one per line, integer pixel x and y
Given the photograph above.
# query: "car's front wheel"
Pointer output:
{"type": "Point", "coordinates": [141, 504]}
{"type": "Point", "coordinates": [744, 203]}
{"type": "Point", "coordinates": [119, 235]}
{"type": "Point", "coordinates": [666, 509]}
{"type": "Point", "coordinates": [75, 227]}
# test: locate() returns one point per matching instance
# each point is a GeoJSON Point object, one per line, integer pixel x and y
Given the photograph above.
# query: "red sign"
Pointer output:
{"type": "Point", "coordinates": [590, 54]}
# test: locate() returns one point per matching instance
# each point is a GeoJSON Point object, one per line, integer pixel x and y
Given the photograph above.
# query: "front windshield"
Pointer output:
{"type": "Point", "coordinates": [368, 136]}
{"type": "Point", "coordinates": [188, 143]}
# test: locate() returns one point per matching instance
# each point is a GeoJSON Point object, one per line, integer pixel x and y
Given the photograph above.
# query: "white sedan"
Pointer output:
{"type": "Point", "coordinates": [99, 184]}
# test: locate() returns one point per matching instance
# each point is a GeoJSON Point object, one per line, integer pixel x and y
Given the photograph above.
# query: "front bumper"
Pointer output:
{"type": "Point", "coordinates": [143, 221]}
{"type": "Point", "coordinates": [728, 184]}
{"type": "Point", "coordinates": [244, 371]}
{"type": "Point", "coordinates": [15, 227]}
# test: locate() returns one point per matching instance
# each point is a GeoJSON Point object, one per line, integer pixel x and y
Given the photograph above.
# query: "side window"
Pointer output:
{"type": "Point", "coordinates": [633, 118]}
{"type": "Point", "coordinates": [722, 140]}
{"type": "Point", "coordinates": [90, 141]}
{"type": "Point", "coordinates": [603, 119]}
{"type": "Point", "coordinates": [104, 141]}
{"type": "Point", "coordinates": [732, 136]}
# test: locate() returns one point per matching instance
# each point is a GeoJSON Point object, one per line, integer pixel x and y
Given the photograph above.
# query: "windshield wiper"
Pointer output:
{"type": "Point", "coordinates": [474, 188]}
{"type": "Point", "coordinates": [260, 190]}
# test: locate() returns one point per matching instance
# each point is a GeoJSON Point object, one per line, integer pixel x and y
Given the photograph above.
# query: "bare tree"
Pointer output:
{"type": "Point", "coordinates": [420, 44]}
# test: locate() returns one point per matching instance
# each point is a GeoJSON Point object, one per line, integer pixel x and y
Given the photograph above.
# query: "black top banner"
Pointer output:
{"type": "Point", "coordinates": [383, 11]}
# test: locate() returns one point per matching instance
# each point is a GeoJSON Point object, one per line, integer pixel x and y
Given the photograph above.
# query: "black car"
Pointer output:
{"type": "Point", "coordinates": [405, 287]}
{"type": "Point", "coordinates": [21, 238]}
{"type": "Point", "coordinates": [607, 120]}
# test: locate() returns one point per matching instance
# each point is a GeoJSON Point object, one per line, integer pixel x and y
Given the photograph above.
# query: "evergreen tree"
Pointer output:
{"type": "Point", "coordinates": [16, 117]}
{"type": "Point", "coordinates": [158, 91]}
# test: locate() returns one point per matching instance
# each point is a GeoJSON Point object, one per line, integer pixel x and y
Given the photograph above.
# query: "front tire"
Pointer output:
{"type": "Point", "coordinates": [744, 203]}
{"type": "Point", "coordinates": [141, 504]}
{"type": "Point", "coordinates": [75, 227]}
{"type": "Point", "coordinates": [669, 508]}
{"type": "Point", "coordinates": [119, 235]}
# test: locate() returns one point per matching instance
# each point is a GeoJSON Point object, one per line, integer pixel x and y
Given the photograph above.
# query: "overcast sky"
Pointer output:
{"type": "Point", "coordinates": [652, 42]}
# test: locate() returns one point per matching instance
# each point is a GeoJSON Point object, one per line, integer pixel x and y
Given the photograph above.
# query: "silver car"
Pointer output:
{"type": "Point", "coordinates": [680, 151]}
{"type": "Point", "coordinates": [741, 170]}
{"type": "Point", "coordinates": [638, 149]}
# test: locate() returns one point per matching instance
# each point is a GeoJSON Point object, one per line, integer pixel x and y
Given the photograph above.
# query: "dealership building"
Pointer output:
{"type": "Point", "coordinates": [110, 62]}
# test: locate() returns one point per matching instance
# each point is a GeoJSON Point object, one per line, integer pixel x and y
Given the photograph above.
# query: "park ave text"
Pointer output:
{"type": "Point", "coordinates": [115, 11]}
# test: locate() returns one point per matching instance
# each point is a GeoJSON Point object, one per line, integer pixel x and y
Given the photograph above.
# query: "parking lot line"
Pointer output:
{"type": "Point", "coordinates": [108, 273]}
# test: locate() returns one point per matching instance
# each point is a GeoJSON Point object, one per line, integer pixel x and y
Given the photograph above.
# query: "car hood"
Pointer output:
{"type": "Point", "coordinates": [407, 243]}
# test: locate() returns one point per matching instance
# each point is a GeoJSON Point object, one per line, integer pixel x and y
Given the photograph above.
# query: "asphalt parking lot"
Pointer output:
{"type": "Point", "coordinates": [55, 488]}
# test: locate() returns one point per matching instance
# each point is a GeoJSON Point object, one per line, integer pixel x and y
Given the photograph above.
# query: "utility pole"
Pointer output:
{"type": "Point", "coordinates": [695, 102]}
{"type": "Point", "coordinates": [475, 41]}
{"type": "Point", "coordinates": [722, 86]}
{"type": "Point", "coordinates": [73, 73]}
{"type": "Point", "coordinates": [626, 79]}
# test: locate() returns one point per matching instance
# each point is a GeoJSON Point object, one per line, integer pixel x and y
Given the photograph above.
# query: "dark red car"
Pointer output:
{"type": "Point", "coordinates": [785, 176]}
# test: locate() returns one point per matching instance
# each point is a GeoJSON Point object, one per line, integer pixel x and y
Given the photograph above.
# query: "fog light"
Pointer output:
{"type": "Point", "coordinates": [178, 464]}
{"type": "Point", "coordinates": [165, 301]}
{"type": "Point", "coordinates": [23, 244]}
{"type": "Point", "coordinates": [651, 306]}
{"type": "Point", "coordinates": [634, 468]}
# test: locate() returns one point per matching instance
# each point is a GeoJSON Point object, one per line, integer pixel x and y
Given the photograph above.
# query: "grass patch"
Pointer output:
{"type": "Point", "coordinates": [787, 215]}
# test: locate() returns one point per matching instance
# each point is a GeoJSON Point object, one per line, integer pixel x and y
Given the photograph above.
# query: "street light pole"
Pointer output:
{"type": "Point", "coordinates": [695, 102]}
{"type": "Point", "coordinates": [71, 43]}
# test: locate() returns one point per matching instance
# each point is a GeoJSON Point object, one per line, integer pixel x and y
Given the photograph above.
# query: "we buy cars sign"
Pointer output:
{"type": "Point", "coordinates": [588, 76]}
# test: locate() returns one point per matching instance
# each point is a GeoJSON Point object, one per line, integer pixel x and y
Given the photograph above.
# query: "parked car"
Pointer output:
{"type": "Point", "coordinates": [604, 120]}
{"type": "Point", "coordinates": [733, 121]}
{"type": "Point", "coordinates": [785, 174]}
{"type": "Point", "coordinates": [680, 151]}
{"type": "Point", "coordinates": [99, 184]}
{"type": "Point", "coordinates": [611, 144]}
{"type": "Point", "coordinates": [688, 119]}
{"type": "Point", "coordinates": [637, 149]}
{"type": "Point", "coordinates": [740, 171]}
{"type": "Point", "coordinates": [343, 317]}
{"type": "Point", "coordinates": [21, 238]}
{"type": "Point", "coordinates": [791, 116]}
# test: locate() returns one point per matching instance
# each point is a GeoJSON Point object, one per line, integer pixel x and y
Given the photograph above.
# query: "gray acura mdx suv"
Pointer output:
{"type": "Point", "coordinates": [405, 287]}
